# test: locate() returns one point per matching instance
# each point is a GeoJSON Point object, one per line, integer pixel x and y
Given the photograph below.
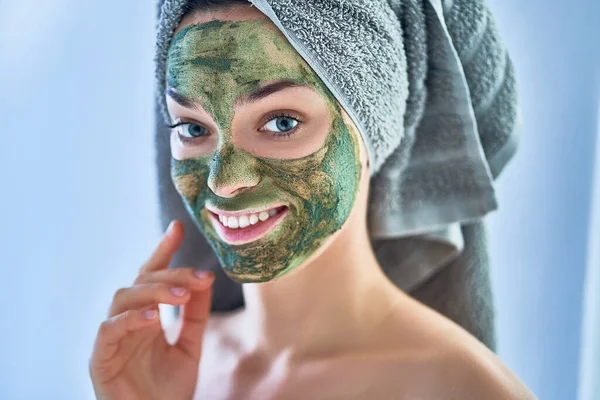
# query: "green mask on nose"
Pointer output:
{"type": "Point", "coordinates": [216, 63]}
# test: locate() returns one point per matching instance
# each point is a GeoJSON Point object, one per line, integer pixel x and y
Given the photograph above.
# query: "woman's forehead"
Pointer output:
{"type": "Point", "coordinates": [236, 13]}
{"type": "Point", "coordinates": [219, 61]}
{"type": "Point", "coordinates": [243, 40]}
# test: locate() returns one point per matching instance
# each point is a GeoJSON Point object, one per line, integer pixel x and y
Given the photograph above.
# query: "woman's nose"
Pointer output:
{"type": "Point", "coordinates": [230, 190]}
{"type": "Point", "coordinates": [232, 172]}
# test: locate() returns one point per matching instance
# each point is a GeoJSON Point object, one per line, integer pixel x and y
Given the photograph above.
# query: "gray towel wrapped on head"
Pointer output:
{"type": "Point", "coordinates": [432, 91]}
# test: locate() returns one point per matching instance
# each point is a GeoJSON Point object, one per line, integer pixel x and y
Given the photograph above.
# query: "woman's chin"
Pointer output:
{"type": "Point", "coordinates": [257, 274]}
{"type": "Point", "coordinates": [256, 277]}
{"type": "Point", "coordinates": [296, 265]}
{"type": "Point", "coordinates": [247, 278]}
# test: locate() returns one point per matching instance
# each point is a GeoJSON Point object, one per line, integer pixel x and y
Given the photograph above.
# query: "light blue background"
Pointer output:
{"type": "Point", "coordinates": [539, 235]}
{"type": "Point", "coordinates": [79, 200]}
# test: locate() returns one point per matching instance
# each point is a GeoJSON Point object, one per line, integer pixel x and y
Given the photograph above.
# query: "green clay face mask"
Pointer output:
{"type": "Point", "coordinates": [215, 64]}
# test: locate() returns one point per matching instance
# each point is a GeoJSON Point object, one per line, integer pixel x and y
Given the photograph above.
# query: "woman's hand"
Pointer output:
{"type": "Point", "coordinates": [132, 359]}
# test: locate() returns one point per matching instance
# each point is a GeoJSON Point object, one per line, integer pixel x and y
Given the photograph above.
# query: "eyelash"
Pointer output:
{"type": "Point", "coordinates": [183, 139]}
{"type": "Point", "coordinates": [269, 118]}
{"type": "Point", "coordinates": [278, 114]}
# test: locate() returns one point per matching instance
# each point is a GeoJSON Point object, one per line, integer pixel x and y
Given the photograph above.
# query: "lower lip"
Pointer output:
{"type": "Point", "coordinates": [250, 233]}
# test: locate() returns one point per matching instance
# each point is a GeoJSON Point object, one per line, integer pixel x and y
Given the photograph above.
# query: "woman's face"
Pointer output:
{"type": "Point", "coordinates": [265, 159]}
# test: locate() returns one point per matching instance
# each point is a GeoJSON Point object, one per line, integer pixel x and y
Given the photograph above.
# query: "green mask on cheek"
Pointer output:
{"type": "Point", "coordinates": [216, 63]}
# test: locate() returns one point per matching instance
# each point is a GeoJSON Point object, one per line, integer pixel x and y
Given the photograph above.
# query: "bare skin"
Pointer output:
{"type": "Point", "coordinates": [337, 327]}
{"type": "Point", "coordinates": [334, 328]}
{"type": "Point", "coordinates": [132, 358]}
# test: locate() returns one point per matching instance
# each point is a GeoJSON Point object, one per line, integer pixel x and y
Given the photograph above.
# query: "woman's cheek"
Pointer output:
{"type": "Point", "coordinates": [188, 186]}
{"type": "Point", "coordinates": [176, 147]}
{"type": "Point", "coordinates": [189, 178]}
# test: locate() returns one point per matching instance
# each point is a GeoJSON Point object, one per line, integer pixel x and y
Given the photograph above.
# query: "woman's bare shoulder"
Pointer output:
{"type": "Point", "coordinates": [446, 361]}
{"type": "Point", "coordinates": [466, 373]}
{"type": "Point", "coordinates": [447, 369]}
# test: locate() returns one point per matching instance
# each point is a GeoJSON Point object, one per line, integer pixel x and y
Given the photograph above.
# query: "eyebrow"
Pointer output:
{"type": "Point", "coordinates": [180, 99]}
{"type": "Point", "coordinates": [264, 91]}
{"type": "Point", "coordinates": [254, 96]}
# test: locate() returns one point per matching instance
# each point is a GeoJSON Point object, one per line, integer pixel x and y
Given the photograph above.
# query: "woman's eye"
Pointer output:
{"type": "Point", "coordinates": [281, 124]}
{"type": "Point", "coordinates": [193, 130]}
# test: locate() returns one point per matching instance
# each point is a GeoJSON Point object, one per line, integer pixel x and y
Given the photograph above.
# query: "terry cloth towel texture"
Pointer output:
{"type": "Point", "coordinates": [432, 90]}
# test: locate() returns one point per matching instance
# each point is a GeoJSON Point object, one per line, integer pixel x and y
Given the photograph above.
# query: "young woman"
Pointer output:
{"type": "Point", "coordinates": [276, 175]}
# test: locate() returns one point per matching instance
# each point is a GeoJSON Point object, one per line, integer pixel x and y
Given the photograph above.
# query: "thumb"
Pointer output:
{"type": "Point", "coordinates": [194, 318]}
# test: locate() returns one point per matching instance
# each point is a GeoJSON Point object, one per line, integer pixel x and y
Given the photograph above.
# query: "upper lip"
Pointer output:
{"type": "Point", "coordinates": [247, 211]}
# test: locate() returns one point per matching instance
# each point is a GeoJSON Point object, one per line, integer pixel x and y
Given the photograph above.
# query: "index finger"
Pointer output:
{"type": "Point", "coordinates": [194, 317]}
{"type": "Point", "coordinates": [169, 243]}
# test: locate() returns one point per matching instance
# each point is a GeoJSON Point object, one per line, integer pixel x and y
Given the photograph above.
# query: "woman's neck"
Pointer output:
{"type": "Point", "coordinates": [327, 306]}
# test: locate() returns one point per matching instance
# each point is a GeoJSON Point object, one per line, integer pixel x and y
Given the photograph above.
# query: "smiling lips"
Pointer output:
{"type": "Point", "coordinates": [244, 227]}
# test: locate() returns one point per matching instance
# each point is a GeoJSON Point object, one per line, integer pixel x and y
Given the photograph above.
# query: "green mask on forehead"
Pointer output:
{"type": "Point", "coordinates": [215, 64]}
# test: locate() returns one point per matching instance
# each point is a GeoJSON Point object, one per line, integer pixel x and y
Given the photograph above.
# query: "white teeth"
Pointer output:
{"type": "Point", "coordinates": [244, 222]}
{"type": "Point", "coordinates": [263, 216]}
{"type": "Point", "coordinates": [232, 222]}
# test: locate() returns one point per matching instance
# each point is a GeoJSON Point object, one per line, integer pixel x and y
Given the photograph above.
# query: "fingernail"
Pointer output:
{"type": "Point", "coordinates": [177, 291]}
{"type": "Point", "coordinates": [170, 228]}
{"type": "Point", "coordinates": [201, 274]}
{"type": "Point", "coordinates": [150, 314]}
